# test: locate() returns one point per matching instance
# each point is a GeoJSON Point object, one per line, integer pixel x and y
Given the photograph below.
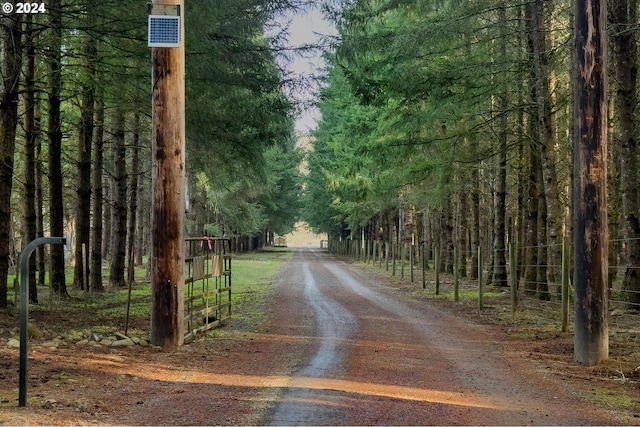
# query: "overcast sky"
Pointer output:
{"type": "Point", "coordinates": [307, 28]}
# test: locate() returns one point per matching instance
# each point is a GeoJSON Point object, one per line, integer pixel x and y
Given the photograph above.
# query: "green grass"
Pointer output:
{"type": "Point", "coordinates": [463, 294]}
{"type": "Point", "coordinates": [616, 398]}
{"type": "Point", "coordinates": [253, 277]}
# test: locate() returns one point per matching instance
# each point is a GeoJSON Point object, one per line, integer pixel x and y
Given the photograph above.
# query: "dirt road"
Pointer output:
{"type": "Point", "coordinates": [381, 359]}
{"type": "Point", "coordinates": [330, 346]}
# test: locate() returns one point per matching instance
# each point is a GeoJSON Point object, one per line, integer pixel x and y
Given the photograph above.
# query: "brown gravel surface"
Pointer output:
{"type": "Point", "coordinates": [335, 347]}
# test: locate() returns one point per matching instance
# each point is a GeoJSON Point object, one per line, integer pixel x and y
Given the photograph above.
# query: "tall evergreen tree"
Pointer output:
{"type": "Point", "coordinates": [624, 16]}
{"type": "Point", "coordinates": [54, 123]}
{"type": "Point", "coordinates": [12, 44]}
{"type": "Point", "coordinates": [85, 139]}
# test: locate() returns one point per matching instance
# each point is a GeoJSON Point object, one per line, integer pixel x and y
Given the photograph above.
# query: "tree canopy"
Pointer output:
{"type": "Point", "coordinates": [79, 124]}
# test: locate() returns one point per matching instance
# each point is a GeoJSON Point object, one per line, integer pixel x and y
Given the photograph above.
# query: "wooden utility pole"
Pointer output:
{"type": "Point", "coordinates": [591, 335]}
{"type": "Point", "coordinates": [168, 189]}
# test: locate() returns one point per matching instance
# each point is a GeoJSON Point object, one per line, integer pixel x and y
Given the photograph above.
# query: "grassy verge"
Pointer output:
{"type": "Point", "coordinates": [253, 278]}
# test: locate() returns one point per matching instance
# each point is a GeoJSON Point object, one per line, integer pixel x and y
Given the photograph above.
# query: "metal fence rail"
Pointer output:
{"type": "Point", "coordinates": [546, 285]}
{"type": "Point", "coordinates": [207, 284]}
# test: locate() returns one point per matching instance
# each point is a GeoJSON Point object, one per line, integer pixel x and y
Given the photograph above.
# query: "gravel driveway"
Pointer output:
{"type": "Point", "coordinates": [379, 358]}
{"type": "Point", "coordinates": [331, 346]}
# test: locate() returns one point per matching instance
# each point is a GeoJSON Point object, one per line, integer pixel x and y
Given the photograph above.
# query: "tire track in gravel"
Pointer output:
{"type": "Point", "coordinates": [384, 359]}
{"type": "Point", "coordinates": [334, 323]}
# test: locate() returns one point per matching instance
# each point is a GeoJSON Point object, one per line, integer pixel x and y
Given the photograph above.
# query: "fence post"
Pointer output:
{"type": "Point", "coordinates": [386, 256]}
{"type": "Point", "coordinates": [436, 267]}
{"type": "Point", "coordinates": [364, 247]}
{"type": "Point", "coordinates": [394, 249]}
{"type": "Point", "coordinates": [565, 283]}
{"type": "Point", "coordinates": [456, 273]}
{"type": "Point", "coordinates": [480, 283]}
{"type": "Point", "coordinates": [403, 253]}
{"type": "Point", "coordinates": [411, 255]}
{"type": "Point", "coordinates": [423, 257]}
{"type": "Point", "coordinates": [513, 271]}
{"type": "Point", "coordinates": [368, 255]}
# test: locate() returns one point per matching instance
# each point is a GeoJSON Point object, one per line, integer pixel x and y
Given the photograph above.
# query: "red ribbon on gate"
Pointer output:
{"type": "Point", "coordinates": [208, 240]}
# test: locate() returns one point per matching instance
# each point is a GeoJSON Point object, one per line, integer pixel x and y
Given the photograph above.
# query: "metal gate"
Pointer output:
{"type": "Point", "coordinates": [207, 300]}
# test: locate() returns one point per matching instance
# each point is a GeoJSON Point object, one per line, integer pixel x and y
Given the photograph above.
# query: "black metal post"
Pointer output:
{"type": "Point", "coordinates": [24, 307]}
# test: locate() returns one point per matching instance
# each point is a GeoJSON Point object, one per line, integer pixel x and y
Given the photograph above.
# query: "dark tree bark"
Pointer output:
{"type": "Point", "coordinates": [461, 239]}
{"type": "Point", "coordinates": [625, 51]}
{"type": "Point", "coordinates": [447, 245]}
{"type": "Point", "coordinates": [107, 208]}
{"type": "Point", "coordinates": [535, 17]}
{"type": "Point", "coordinates": [591, 334]}
{"type": "Point", "coordinates": [56, 201]}
{"type": "Point", "coordinates": [521, 219]}
{"type": "Point", "coordinates": [119, 203]}
{"type": "Point", "coordinates": [31, 137]}
{"type": "Point", "coordinates": [11, 67]}
{"type": "Point", "coordinates": [542, 285]}
{"type": "Point", "coordinates": [143, 214]}
{"type": "Point", "coordinates": [500, 229]}
{"type": "Point", "coordinates": [133, 198]}
{"type": "Point", "coordinates": [95, 279]}
{"type": "Point", "coordinates": [85, 138]}
{"type": "Point", "coordinates": [531, 238]}
{"type": "Point", "coordinates": [41, 252]}
{"type": "Point", "coordinates": [475, 210]}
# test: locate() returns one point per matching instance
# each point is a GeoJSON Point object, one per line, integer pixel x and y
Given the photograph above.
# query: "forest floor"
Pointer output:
{"type": "Point", "coordinates": [236, 374]}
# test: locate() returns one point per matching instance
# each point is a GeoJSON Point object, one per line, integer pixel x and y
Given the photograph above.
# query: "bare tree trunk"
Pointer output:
{"type": "Point", "coordinates": [31, 136]}
{"type": "Point", "coordinates": [448, 226]}
{"type": "Point", "coordinates": [520, 226]}
{"type": "Point", "coordinates": [426, 233]}
{"type": "Point", "coordinates": [542, 287]}
{"type": "Point", "coordinates": [85, 139]}
{"type": "Point", "coordinates": [489, 227]}
{"type": "Point", "coordinates": [143, 214]}
{"type": "Point", "coordinates": [56, 201]}
{"type": "Point", "coordinates": [500, 229]}
{"type": "Point", "coordinates": [475, 209]}
{"type": "Point", "coordinates": [107, 201]}
{"type": "Point", "coordinates": [41, 252]}
{"type": "Point", "coordinates": [95, 279]}
{"type": "Point", "coordinates": [536, 12]}
{"type": "Point", "coordinates": [531, 238]}
{"type": "Point", "coordinates": [521, 218]}
{"type": "Point", "coordinates": [463, 224]}
{"type": "Point", "coordinates": [12, 63]}
{"type": "Point", "coordinates": [624, 43]}
{"type": "Point", "coordinates": [119, 226]}
{"type": "Point", "coordinates": [617, 246]}
{"type": "Point", "coordinates": [591, 333]}
{"type": "Point", "coordinates": [133, 199]}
